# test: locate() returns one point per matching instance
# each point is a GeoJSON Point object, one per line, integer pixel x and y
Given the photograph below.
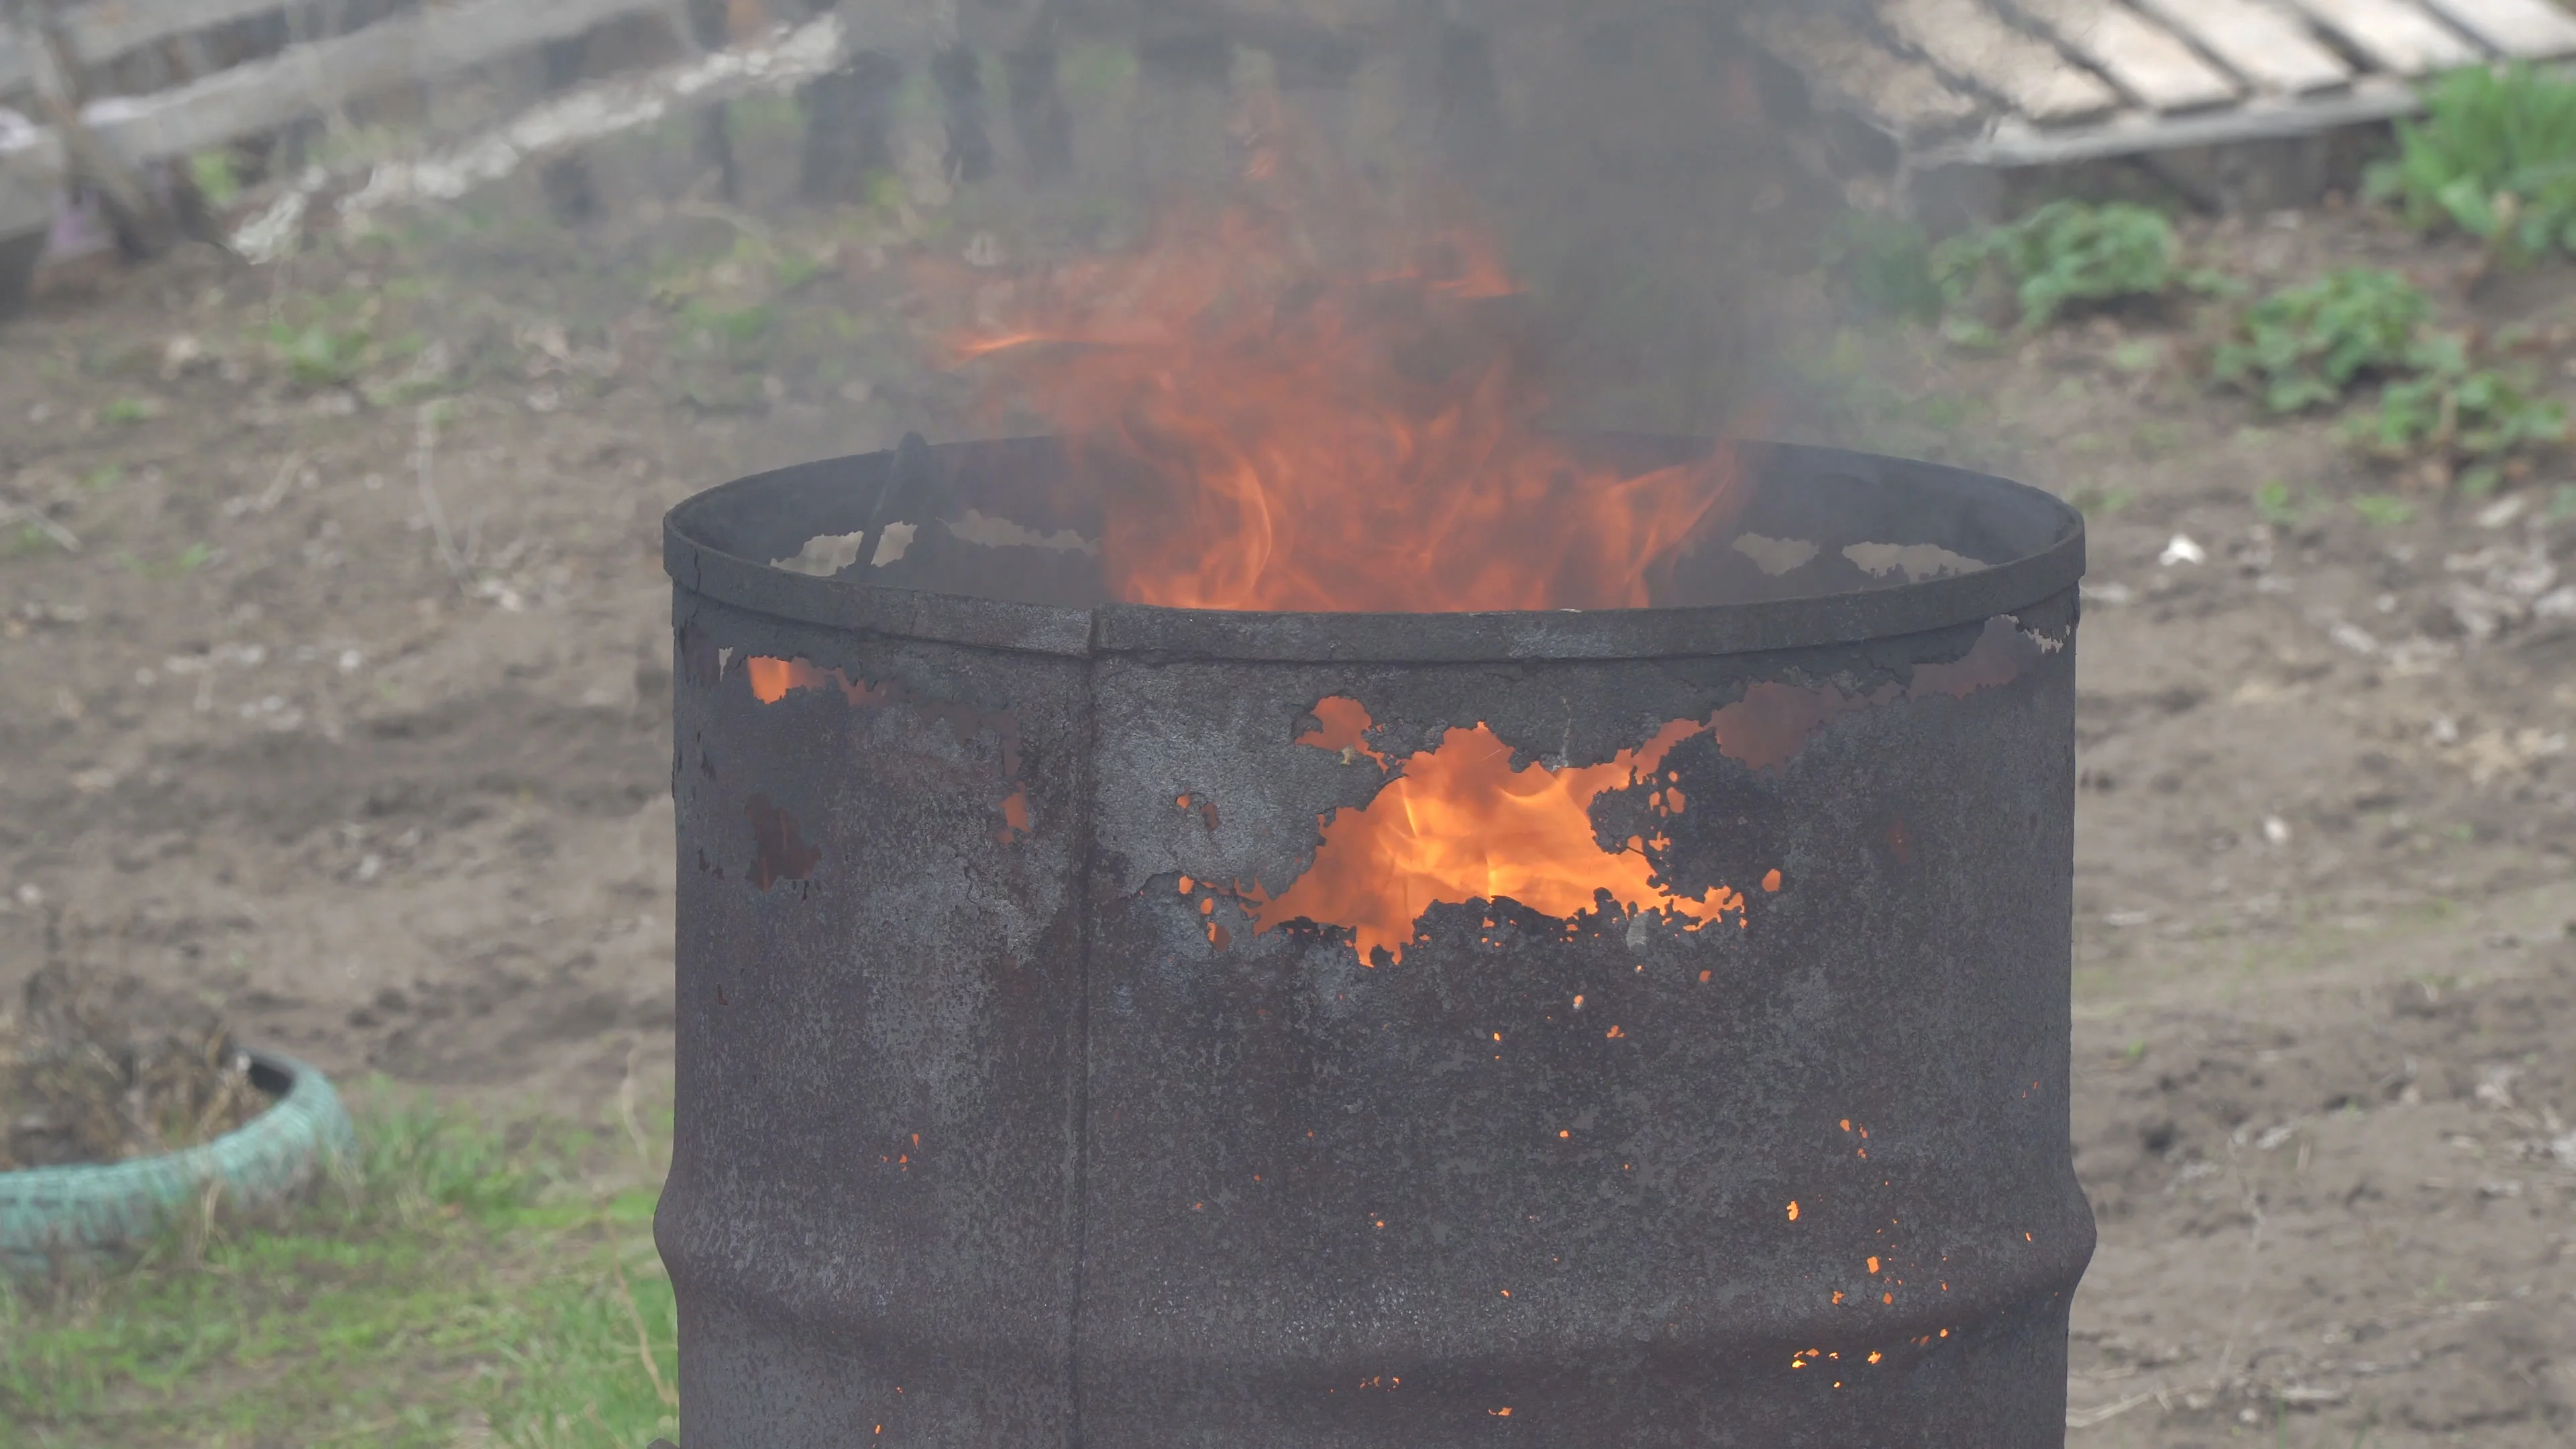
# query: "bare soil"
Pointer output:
{"type": "Point", "coordinates": [352, 719]}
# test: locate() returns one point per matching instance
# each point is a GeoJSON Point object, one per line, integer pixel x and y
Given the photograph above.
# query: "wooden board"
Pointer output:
{"type": "Point", "coordinates": [2397, 36]}
{"type": "Point", "coordinates": [2257, 42]}
{"type": "Point", "coordinates": [307, 80]}
{"type": "Point", "coordinates": [2524, 29]}
{"type": "Point", "coordinates": [2141, 57]}
{"type": "Point", "coordinates": [1966, 40]}
{"type": "Point", "coordinates": [2018, 145]}
{"type": "Point", "coordinates": [101, 30]}
{"type": "Point", "coordinates": [1900, 97]}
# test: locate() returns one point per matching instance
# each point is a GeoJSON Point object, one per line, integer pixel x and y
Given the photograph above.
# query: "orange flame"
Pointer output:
{"type": "Point", "coordinates": [1279, 432]}
{"type": "Point", "coordinates": [1459, 824]}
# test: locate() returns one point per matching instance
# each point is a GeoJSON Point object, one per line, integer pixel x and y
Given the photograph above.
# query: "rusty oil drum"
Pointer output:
{"type": "Point", "coordinates": [989, 1136]}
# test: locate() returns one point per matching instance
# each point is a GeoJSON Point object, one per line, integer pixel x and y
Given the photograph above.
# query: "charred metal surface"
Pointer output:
{"type": "Point", "coordinates": [1184, 1176]}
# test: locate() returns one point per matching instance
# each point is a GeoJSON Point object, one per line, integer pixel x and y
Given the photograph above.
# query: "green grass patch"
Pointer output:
{"type": "Point", "coordinates": [2381, 510]}
{"type": "Point", "coordinates": [456, 1281]}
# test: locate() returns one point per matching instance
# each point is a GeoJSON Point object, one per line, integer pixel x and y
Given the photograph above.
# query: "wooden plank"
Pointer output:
{"type": "Point", "coordinates": [2257, 42]}
{"type": "Point", "coordinates": [1965, 39]}
{"type": "Point", "coordinates": [2141, 57]}
{"type": "Point", "coordinates": [2018, 145]}
{"type": "Point", "coordinates": [101, 30]}
{"type": "Point", "coordinates": [2397, 35]}
{"type": "Point", "coordinates": [1901, 97]}
{"type": "Point", "coordinates": [557, 127]}
{"type": "Point", "coordinates": [2523, 29]}
{"type": "Point", "coordinates": [308, 80]}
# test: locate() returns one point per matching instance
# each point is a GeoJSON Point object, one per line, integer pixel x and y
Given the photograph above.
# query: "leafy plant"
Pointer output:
{"type": "Point", "coordinates": [2305, 346]}
{"type": "Point", "coordinates": [2065, 254]}
{"type": "Point", "coordinates": [2381, 510]}
{"type": "Point", "coordinates": [2275, 504]}
{"type": "Point", "coordinates": [1883, 264]}
{"type": "Point", "coordinates": [129, 410]}
{"type": "Point", "coordinates": [2476, 417]}
{"type": "Point", "coordinates": [214, 177]}
{"type": "Point", "coordinates": [319, 354]}
{"type": "Point", "coordinates": [2494, 156]}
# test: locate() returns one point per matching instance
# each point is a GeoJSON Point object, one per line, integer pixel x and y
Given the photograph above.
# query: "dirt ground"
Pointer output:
{"type": "Point", "coordinates": [350, 713]}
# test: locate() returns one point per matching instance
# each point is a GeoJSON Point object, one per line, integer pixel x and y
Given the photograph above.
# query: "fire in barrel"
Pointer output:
{"type": "Point", "coordinates": [1305, 909]}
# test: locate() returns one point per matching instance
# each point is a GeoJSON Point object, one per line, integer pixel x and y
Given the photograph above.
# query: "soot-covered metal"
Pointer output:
{"type": "Point", "coordinates": [1121, 1026]}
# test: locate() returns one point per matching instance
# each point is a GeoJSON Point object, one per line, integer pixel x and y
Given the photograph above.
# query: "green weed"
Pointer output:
{"type": "Point", "coordinates": [2305, 346]}
{"type": "Point", "coordinates": [2065, 254]}
{"type": "Point", "coordinates": [129, 410]}
{"type": "Point", "coordinates": [320, 354]}
{"type": "Point", "coordinates": [2476, 418]}
{"type": "Point", "coordinates": [2101, 501]}
{"type": "Point", "coordinates": [105, 475]}
{"type": "Point", "coordinates": [214, 177]}
{"type": "Point", "coordinates": [2383, 511]}
{"type": "Point", "coordinates": [178, 566]}
{"type": "Point", "coordinates": [734, 326]}
{"type": "Point", "coordinates": [2275, 504]}
{"type": "Point", "coordinates": [2562, 503]}
{"type": "Point", "coordinates": [27, 541]}
{"type": "Point", "coordinates": [2494, 156]}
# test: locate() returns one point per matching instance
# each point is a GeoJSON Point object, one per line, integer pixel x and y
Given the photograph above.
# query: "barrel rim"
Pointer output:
{"type": "Point", "coordinates": [1516, 635]}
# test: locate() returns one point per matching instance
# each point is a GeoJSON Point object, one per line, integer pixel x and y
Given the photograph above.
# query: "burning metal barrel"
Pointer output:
{"type": "Point", "coordinates": [1121, 1025]}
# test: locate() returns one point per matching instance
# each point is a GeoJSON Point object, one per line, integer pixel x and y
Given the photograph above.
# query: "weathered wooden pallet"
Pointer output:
{"type": "Point", "coordinates": [304, 80]}
{"type": "Point", "coordinates": [2235, 99]}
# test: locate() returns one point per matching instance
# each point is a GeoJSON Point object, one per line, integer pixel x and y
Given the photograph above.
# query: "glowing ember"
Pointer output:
{"type": "Point", "coordinates": [1282, 432]}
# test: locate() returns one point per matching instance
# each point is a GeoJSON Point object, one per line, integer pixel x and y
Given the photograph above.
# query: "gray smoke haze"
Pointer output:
{"type": "Point", "coordinates": [1633, 156]}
